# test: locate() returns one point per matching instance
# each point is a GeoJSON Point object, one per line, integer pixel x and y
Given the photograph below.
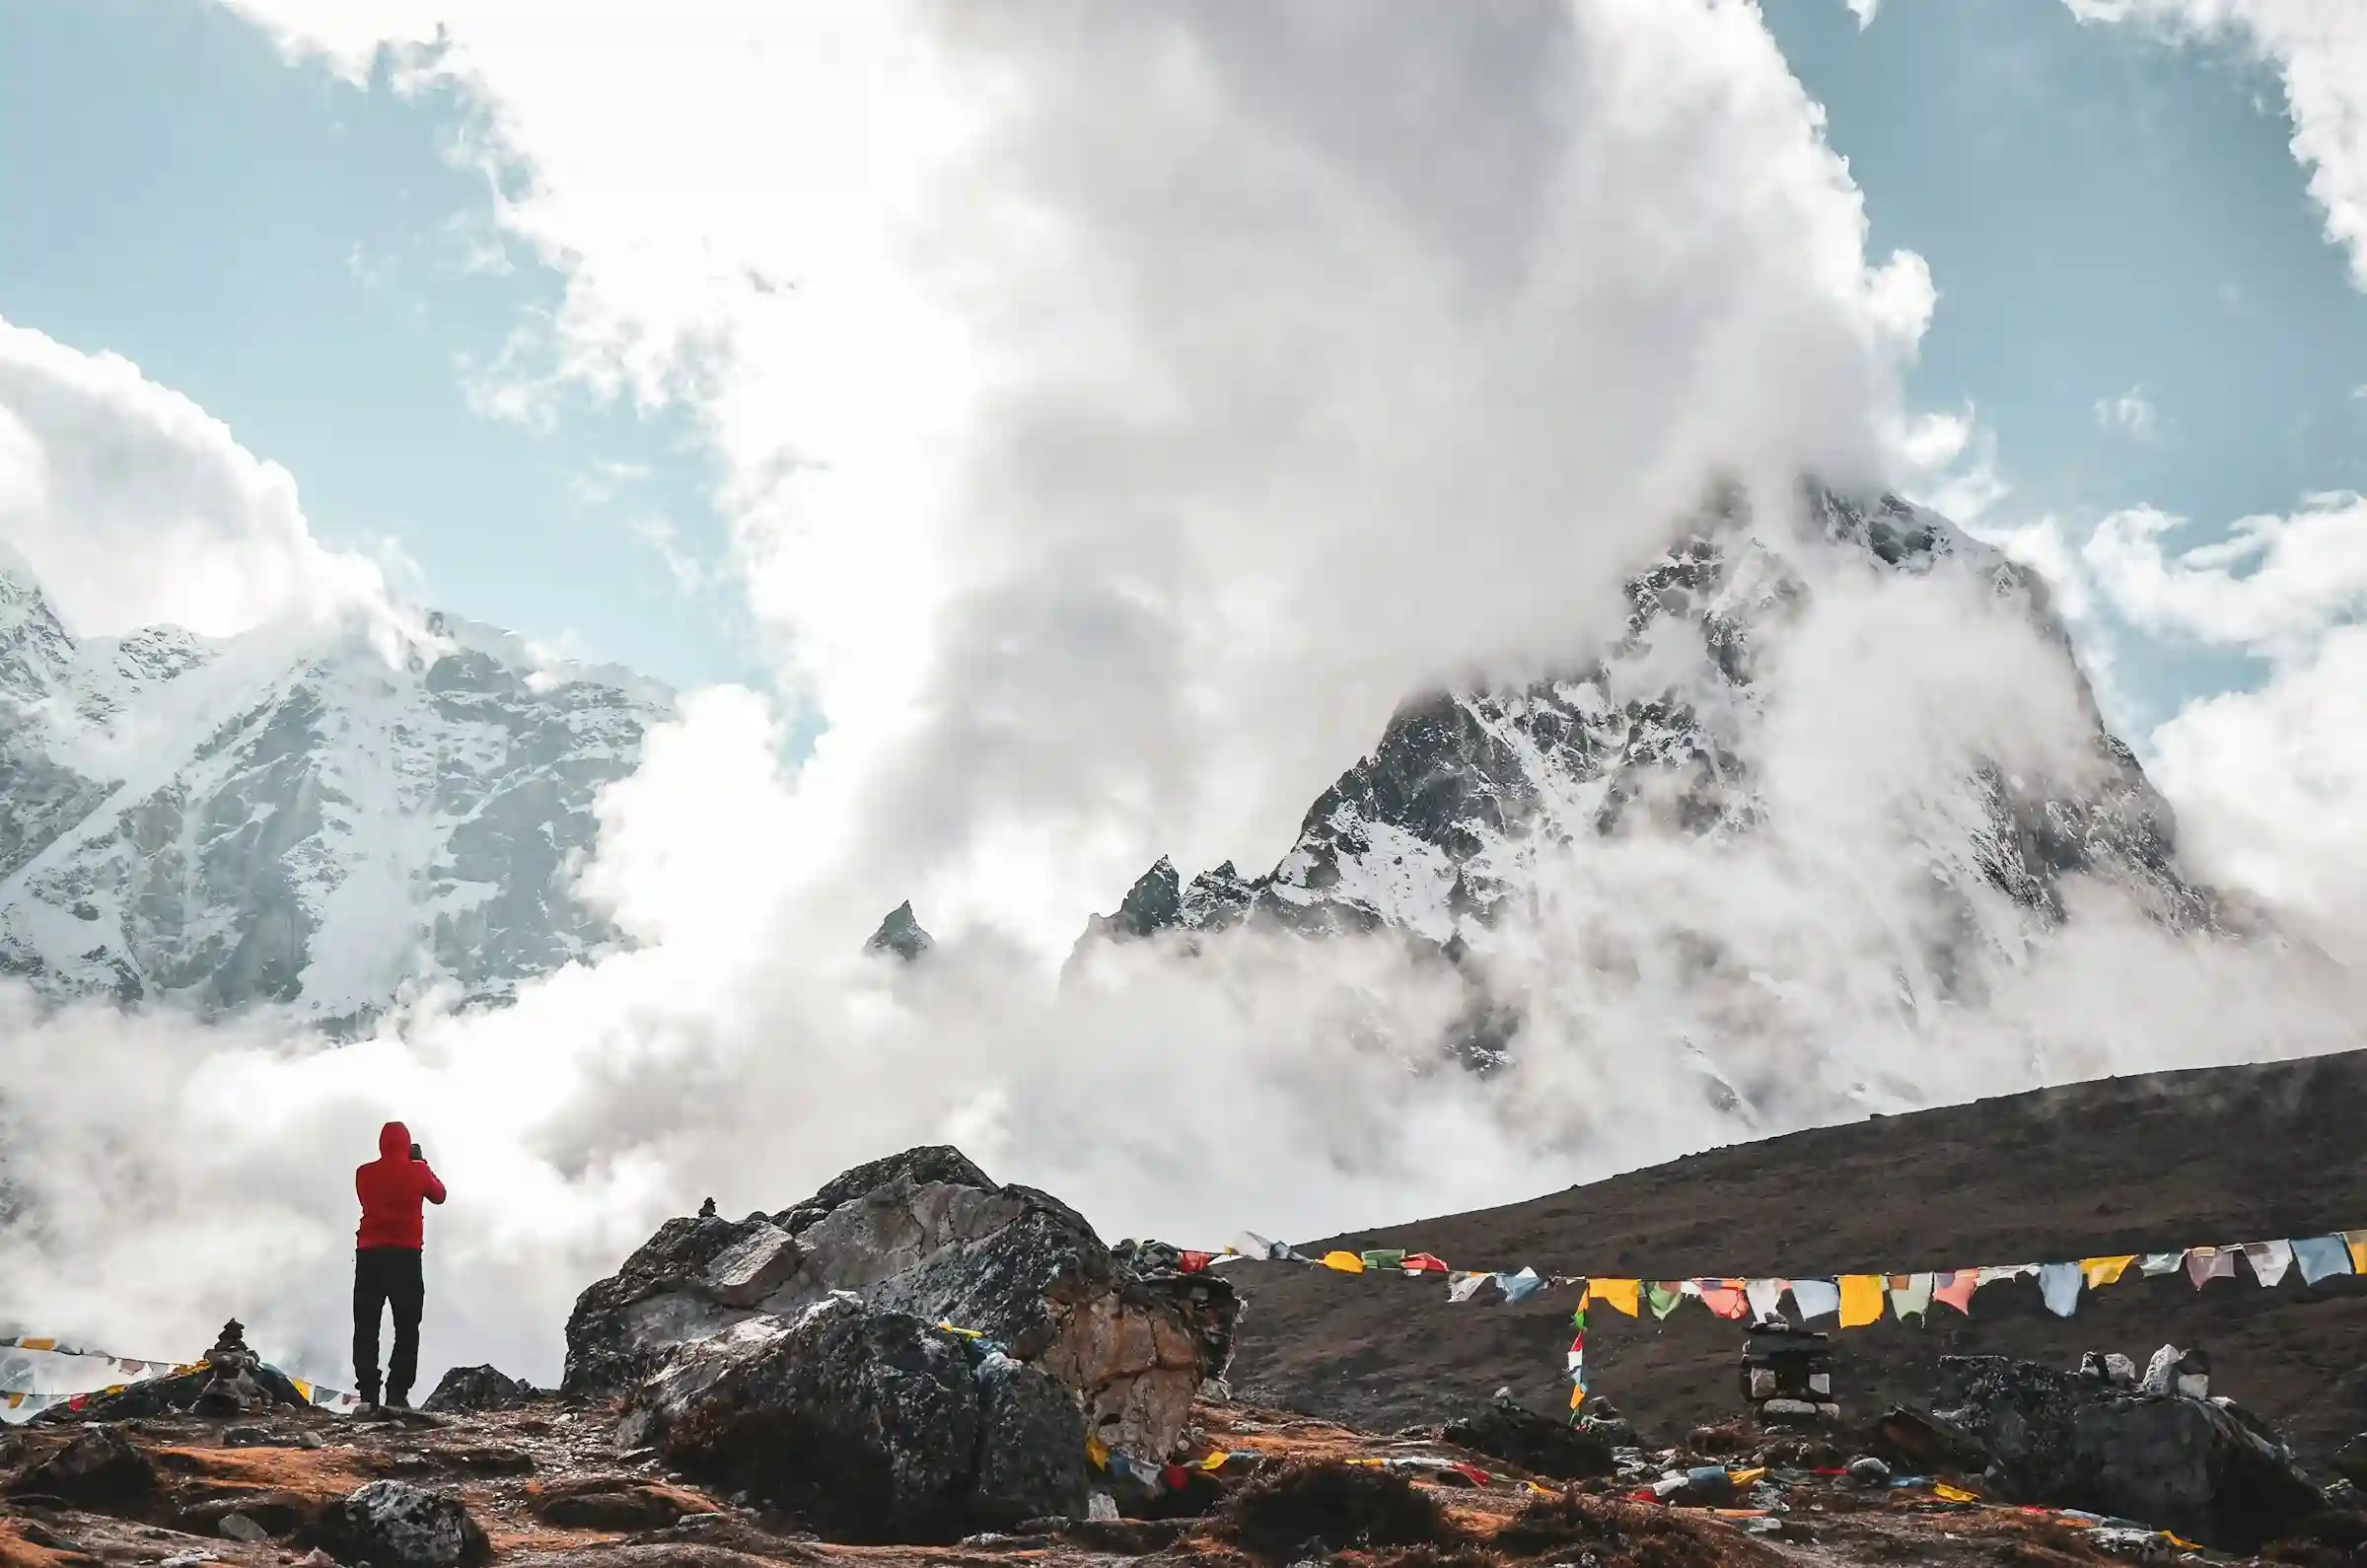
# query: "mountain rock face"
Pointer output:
{"type": "Point", "coordinates": [302, 818]}
{"type": "Point", "coordinates": [1437, 833]}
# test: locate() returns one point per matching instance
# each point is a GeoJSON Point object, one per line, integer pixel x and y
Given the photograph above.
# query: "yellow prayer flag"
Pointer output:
{"type": "Point", "coordinates": [1543, 1490]}
{"type": "Point", "coordinates": [2105, 1270]}
{"type": "Point", "coordinates": [303, 1388]}
{"type": "Point", "coordinates": [37, 1345]}
{"type": "Point", "coordinates": [1861, 1300]}
{"type": "Point", "coordinates": [12, 1401]}
{"type": "Point", "coordinates": [1346, 1262]}
{"type": "Point", "coordinates": [1577, 1395]}
{"type": "Point", "coordinates": [1751, 1477]}
{"type": "Point", "coordinates": [1953, 1494]}
{"type": "Point", "coordinates": [1098, 1452]}
{"type": "Point", "coordinates": [2356, 1241]}
{"type": "Point", "coordinates": [1216, 1461]}
{"type": "Point", "coordinates": [1617, 1292]}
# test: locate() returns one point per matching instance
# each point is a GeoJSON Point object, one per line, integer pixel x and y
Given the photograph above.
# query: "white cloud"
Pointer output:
{"type": "Point", "coordinates": [133, 506]}
{"type": "Point", "coordinates": [1864, 11]}
{"type": "Point", "coordinates": [2132, 413]}
{"type": "Point", "coordinates": [2271, 783]}
{"type": "Point", "coordinates": [2272, 787]}
{"type": "Point", "coordinates": [2319, 48]}
{"type": "Point", "coordinates": [2272, 585]}
{"type": "Point", "coordinates": [1075, 507]}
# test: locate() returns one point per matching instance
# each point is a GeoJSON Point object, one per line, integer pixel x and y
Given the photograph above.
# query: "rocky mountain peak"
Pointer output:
{"type": "Point", "coordinates": [901, 934]}
{"type": "Point", "coordinates": [1436, 834]}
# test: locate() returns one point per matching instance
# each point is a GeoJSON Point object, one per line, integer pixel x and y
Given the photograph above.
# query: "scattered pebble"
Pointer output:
{"type": "Point", "coordinates": [238, 1527]}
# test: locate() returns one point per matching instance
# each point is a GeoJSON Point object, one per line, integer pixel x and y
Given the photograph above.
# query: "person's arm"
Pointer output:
{"type": "Point", "coordinates": [431, 1188]}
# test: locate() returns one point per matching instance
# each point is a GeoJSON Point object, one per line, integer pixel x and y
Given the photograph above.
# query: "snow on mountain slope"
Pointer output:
{"type": "Point", "coordinates": [1438, 833]}
{"type": "Point", "coordinates": [288, 818]}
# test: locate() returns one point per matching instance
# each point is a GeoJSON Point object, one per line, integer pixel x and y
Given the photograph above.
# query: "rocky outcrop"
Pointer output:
{"type": "Point", "coordinates": [923, 1235]}
{"type": "Point", "coordinates": [2195, 1467]}
{"type": "Point", "coordinates": [474, 1389]}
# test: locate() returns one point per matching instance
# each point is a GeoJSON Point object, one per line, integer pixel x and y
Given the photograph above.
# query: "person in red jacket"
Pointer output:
{"type": "Point", "coordinates": [386, 1261]}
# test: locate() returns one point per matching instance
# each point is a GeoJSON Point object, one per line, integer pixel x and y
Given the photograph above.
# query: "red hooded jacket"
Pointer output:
{"type": "Point", "coordinates": [391, 1188]}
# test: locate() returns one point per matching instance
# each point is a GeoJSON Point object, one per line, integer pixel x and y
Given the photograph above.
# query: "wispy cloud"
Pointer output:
{"type": "Point", "coordinates": [690, 574]}
{"type": "Point", "coordinates": [2132, 413]}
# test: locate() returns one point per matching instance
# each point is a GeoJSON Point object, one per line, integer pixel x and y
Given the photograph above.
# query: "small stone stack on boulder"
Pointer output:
{"type": "Point", "coordinates": [914, 1351]}
{"type": "Point", "coordinates": [228, 1381]}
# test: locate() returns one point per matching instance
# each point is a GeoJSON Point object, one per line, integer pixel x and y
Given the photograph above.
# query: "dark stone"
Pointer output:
{"type": "Point", "coordinates": [864, 1423]}
{"type": "Point", "coordinates": [465, 1390]}
{"type": "Point", "coordinates": [1312, 1510]}
{"type": "Point", "coordinates": [1536, 1442]}
{"type": "Point", "coordinates": [99, 1466]}
{"type": "Point", "coordinates": [616, 1503]}
{"type": "Point", "coordinates": [396, 1524]}
{"type": "Point", "coordinates": [2350, 1461]}
{"type": "Point", "coordinates": [1031, 1454]}
{"type": "Point", "coordinates": [614, 1340]}
{"type": "Point", "coordinates": [1926, 1443]}
{"type": "Point", "coordinates": [2182, 1464]}
{"type": "Point", "coordinates": [279, 1512]}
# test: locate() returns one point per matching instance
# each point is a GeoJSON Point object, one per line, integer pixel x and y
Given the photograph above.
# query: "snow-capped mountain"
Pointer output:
{"type": "Point", "coordinates": [298, 816]}
{"type": "Point", "coordinates": [1435, 834]}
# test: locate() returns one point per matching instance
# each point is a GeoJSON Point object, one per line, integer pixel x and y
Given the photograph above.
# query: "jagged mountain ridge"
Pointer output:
{"type": "Point", "coordinates": [1434, 834]}
{"type": "Point", "coordinates": [291, 817]}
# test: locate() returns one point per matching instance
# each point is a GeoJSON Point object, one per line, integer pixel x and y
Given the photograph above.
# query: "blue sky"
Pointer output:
{"type": "Point", "coordinates": [311, 262]}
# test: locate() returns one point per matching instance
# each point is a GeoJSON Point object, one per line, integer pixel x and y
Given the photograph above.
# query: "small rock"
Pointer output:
{"type": "Point", "coordinates": [1869, 1470]}
{"type": "Point", "coordinates": [315, 1558]}
{"type": "Point", "coordinates": [246, 1437]}
{"type": "Point", "coordinates": [238, 1527]}
{"type": "Point", "coordinates": [1102, 1506]}
{"type": "Point", "coordinates": [187, 1559]}
{"type": "Point", "coordinates": [396, 1524]}
{"type": "Point", "coordinates": [2119, 1370]}
{"type": "Point", "coordinates": [2350, 1461]}
{"type": "Point", "coordinates": [311, 1440]}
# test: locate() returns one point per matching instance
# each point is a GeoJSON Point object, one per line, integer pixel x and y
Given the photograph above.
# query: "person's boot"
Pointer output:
{"type": "Point", "coordinates": [368, 1396]}
{"type": "Point", "coordinates": [398, 1398]}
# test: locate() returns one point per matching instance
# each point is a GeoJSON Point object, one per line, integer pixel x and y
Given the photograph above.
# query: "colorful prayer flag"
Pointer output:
{"type": "Point", "coordinates": [1861, 1299]}
{"type": "Point", "coordinates": [1618, 1294]}
{"type": "Point", "coordinates": [1346, 1262]}
{"type": "Point", "coordinates": [2105, 1270]}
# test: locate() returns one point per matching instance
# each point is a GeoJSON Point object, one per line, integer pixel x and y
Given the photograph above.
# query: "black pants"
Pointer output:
{"type": "Point", "coordinates": [387, 1276]}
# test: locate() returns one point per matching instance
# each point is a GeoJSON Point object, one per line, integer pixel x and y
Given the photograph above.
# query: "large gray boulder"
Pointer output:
{"type": "Point", "coordinates": [868, 1424]}
{"type": "Point", "coordinates": [2196, 1467]}
{"type": "Point", "coordinates": [926, 1234]}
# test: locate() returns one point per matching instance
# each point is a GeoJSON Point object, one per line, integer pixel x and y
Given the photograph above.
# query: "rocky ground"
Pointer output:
{"type": "Point", "coordinates": [546, 1484]}
{"type": "Point", "coordinates": [919, 1365]}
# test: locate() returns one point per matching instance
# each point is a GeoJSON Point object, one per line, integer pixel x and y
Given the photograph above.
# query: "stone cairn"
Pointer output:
{"type": "Point", "coordinates": [1787, 1374]}
{"type": "Point", "coordinates": [232, 1388]}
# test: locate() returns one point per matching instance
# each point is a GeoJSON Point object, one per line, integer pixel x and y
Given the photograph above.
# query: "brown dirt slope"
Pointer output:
{"type": "Point", "coordinates": [2117, 1165]}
